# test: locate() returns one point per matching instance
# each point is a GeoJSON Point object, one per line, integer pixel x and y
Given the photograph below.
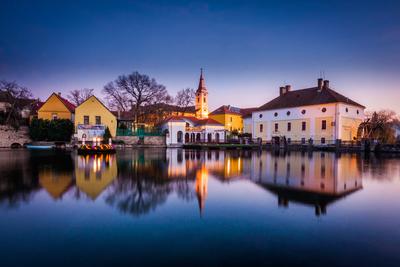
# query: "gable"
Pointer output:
{"type": "Point", "coordinates": [53, 104]}
{"type": "Point", "coordinates": [93, 105]}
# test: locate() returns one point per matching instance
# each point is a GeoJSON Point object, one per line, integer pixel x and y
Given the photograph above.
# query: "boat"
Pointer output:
{"type": "Point", "coordinates": [99, 149]}
{"type": "Point", "coordinates": [39, 147]}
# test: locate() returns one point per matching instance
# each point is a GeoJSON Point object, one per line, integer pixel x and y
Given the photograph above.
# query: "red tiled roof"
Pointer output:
{"type": "Point", "coordinates": [306, 97]}
{"type": "Point", "coordinates": [71, 107]}
{"type": "Point", "coordinates": [194, 120]}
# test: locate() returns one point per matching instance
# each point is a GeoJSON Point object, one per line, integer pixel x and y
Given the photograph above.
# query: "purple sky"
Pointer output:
{"type": "Point", "coordinates": [247, 48]}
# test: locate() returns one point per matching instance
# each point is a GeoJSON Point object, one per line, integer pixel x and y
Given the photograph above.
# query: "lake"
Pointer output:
{"type": "Point", "coordinates": [168, 207]}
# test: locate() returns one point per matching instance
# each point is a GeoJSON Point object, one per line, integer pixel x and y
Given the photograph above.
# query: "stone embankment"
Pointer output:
{"type": "Point", "coordinates": [146, 141]}
{"type": "Point", "coordinates": [9, 136]}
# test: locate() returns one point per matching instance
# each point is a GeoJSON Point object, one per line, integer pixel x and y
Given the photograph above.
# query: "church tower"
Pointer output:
{"type": "Point", "coordinates": [201, 101]}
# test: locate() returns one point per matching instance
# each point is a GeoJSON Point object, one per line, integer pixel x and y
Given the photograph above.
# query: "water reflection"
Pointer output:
{"type": "Point", "coordinates": [316, 179]}
{"type": "Point", "coordinates": [136, 182]}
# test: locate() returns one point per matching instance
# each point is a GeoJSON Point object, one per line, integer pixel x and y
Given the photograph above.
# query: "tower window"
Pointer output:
{"type": "Point", "coordinates": [289, 126]}
{"type": "Point", "coordinates": [261, 128]}
{"type": "Point", "coordinates": [276, 127]}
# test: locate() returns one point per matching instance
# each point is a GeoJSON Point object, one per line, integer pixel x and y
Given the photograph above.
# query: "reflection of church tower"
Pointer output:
{"type": "Point", "coordinates": [201, 101]}
{"type": "Point", "coordinates": [201, 187]}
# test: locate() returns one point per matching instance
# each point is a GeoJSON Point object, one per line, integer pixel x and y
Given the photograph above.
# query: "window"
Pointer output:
{"type": "Point", "coordinates": [323, 109]}
{"type": "Point", "coordinates": [323, 126]}
{"type": "Point", "coordinates": [198, 99]}
{"type": "Point", "coordinates": [303, 125]}
{"type": "Point", "coordinates": [276, 127]}
{"type": "Point", "coordinates": [261, 128]}
{"type": "Point", "coordinates": [303, 140]}
{"type": "Point", "coordinates": [260, 116]}
{"type": "Point", "coordinates": [204, 100]}
{"type": "Point", "coordinates": [231, 119]}
{"type": "Point", "coordinates": [86, 120]}
{"type": "Point", "coordinates": [358, 112]}
{"type": "Point", "coordinates": [98, 119]}
{"type": "Point", "coordinates": [303, 111]}
{"type": "Point", "coordinates": [288, 113]}
{"type": "Point", "coordinates": [289, 140]}
{"type": "Point", "coordinates": [276, 114]}
{"type": "Point", "coordinates": [347, 110]}
{"type": "Point", "coordinates": [323, 140]}
{"type": "Point", "coordinates": [289, 126]}
{"type": "Point", "coordinates": [54, 116]}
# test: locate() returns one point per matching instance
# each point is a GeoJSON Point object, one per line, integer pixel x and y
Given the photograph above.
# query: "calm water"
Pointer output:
{"type": "Point", "coordinates": [198, 208]}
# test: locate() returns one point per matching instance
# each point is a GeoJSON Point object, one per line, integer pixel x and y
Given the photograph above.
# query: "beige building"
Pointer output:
{"type": "Point", "coordinates": [318, 113]}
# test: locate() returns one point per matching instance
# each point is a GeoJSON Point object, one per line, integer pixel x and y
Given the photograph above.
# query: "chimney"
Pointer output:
{"type": "Point", "coordinates": [326, 84]}
{"type": "Point", "coordinates": [320, 83]}
{"type": "Point", "coordinates": [282, 90]}
{"type": "Point", "coordinates": [59, 93]}
{"type": "Point", "coordinates": [287, 87]}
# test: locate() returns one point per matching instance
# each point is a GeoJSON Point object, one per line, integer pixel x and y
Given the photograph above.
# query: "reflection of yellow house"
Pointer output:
{"type": "Point", "coordinates": [56, 107]}
{"type": "Point", "coordinates": [229, 116]}
{"type": "Point", "coordinates": [94, 174]}
{"type": "Point", "coordinates": [55, 184]}
{"type": "Point", "coordinates": [93, 112]}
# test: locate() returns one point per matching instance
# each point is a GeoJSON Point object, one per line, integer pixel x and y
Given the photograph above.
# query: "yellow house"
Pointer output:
{"type": "Point", "coordinates": [93, 112]}
{"type": "Point", "coordinates": [229, 116]}
{"type": "Point", "coordinates": [56, 107]}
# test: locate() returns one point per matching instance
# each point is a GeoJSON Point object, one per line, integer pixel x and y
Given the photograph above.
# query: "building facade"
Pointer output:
{"type": "Point", "coordinates": [318, 113]}
{"type": "Point", "coordinates": [56, 107]}
{"type": "Point", "coordinates": [92, 117]}
{"type": "Point", "coordinates": [194, 129]}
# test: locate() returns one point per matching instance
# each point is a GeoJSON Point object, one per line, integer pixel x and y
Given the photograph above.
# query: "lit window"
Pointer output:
{"type": "Point", "coordinates": [54, 116]}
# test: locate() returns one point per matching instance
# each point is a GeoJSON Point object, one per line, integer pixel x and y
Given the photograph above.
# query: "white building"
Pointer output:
{"type": "Point", "coordinates": [318, 113]}
{"type": "Point", "coordinates": [194, 129]}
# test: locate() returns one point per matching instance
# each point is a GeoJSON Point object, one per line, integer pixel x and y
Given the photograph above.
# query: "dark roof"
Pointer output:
{"type": "Point", "coordinates": [246, 112]}
{"type": "Point", "coordinates": [306, 97]}
{"type": "Point", "coordinates": [227, 109]}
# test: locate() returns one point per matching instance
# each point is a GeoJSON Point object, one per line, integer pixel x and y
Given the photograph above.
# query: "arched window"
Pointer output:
{"type": "Point", "coordinates": [209, 137]}
{"type": "Point", "coordinates": [217, 137]}
{"type": "Point", "coordinates": [198, 138]}
{"type": "Point", "coordinates": [179, 137]}
{"type": "Point", "coordinates": [187, 137]}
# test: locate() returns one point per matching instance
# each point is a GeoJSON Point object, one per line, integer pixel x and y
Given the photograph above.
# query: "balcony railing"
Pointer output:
{"type": "Point", "coordinates": [139, 132]}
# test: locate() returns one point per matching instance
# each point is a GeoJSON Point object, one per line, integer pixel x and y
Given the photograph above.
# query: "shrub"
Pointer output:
{"type": "Point", "coordinates": [106, 135]}
{"type": "Point", "coordinates": [55, 130]}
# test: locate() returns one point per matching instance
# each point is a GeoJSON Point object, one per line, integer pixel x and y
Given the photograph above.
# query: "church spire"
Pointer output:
{"type": "Point", "coordinates": [201, 101]}
{"type": "Point", "coordinates": [202, 84]}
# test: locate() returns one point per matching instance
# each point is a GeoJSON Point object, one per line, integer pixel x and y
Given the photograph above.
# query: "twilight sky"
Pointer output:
{"type": "Point", "coordinates": [247, 48]}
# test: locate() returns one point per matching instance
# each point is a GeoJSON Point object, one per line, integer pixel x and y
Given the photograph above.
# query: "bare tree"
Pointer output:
{"type": "Point", "coordinates": [380, 125]}
{"type": "Point", "coordinates": [78, 96]}
{"type": "Point", "coordinates": [185, 98]}
{"type": "Point", "coordinates": [135, 90]}
{"type": "Point", "coordinates": [16, 96]}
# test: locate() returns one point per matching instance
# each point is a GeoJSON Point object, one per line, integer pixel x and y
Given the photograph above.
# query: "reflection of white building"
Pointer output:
{"type": "Point", "coordinates": [314, 179]}
{"type": "Point", "coordinates": [194, 129]}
